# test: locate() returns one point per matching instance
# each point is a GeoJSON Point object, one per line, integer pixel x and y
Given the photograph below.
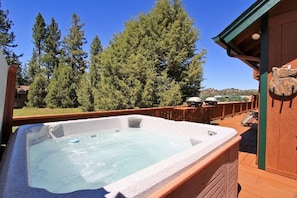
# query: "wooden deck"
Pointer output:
{"type": "Point", "coordinates": [253, 181]}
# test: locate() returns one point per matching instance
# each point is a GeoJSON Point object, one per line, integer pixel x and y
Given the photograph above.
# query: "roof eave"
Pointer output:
{"type": "Point", "coordinates": [227, 47]}
{"type": "Point", "coordinates": [247, 18]}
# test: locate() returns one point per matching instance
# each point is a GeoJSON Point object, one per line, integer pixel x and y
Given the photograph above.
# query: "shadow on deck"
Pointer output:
{"type": "Point", "coordinates": [248, 142]}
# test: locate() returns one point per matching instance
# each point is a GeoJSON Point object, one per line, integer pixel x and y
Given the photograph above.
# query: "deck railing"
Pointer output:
{"type": "Point", "coordinates": [203, 114]}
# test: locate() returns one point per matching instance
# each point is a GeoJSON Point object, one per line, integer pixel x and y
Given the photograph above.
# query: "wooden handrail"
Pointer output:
{"type": "Point", "coordinates": [17, 121]}
{"type": "Point", "coordinates": [200, 114]}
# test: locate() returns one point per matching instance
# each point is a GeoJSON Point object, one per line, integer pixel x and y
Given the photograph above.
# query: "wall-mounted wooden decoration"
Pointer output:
{"type": "Point", "coordinates": [283, 82]}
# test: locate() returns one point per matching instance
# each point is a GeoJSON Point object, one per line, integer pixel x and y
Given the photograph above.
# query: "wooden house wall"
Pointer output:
{"type": "Point", "coordinates": [281, 131]}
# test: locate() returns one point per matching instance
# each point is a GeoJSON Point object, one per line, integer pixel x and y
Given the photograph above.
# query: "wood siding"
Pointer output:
{"type": "Point", "coordinates": [281, 141]}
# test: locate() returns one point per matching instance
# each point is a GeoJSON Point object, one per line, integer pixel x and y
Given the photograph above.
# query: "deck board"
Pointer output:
{"type": "Point", "coordinates": [254, 182]}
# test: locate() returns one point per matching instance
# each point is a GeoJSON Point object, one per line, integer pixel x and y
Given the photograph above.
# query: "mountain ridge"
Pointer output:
{"type": "Point", "coordinates": [228, 91]}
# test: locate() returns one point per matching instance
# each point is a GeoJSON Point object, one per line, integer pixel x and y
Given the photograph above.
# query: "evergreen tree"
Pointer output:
{"type": "Point", "coordinates": [51, 48]}
{"type": "Point", "coordinates": [95, 51]}
{"type": "Point", "coordinates": [96, 47]}
{"type": "Point", "coordinates": [177, 38]}
{"type": "Point", "coordinates": [89, 81]}
{"type": "Point", "coordinates": [62, 88]}
{"type": "Point", "coordinates": [37, 92]}
{"type": "Point", "coordinates": [34, 67]}
{"type": "Point", "coordinates": [152, 60]}
{"type": "Point", "coordinates": [149, 93]}
{"type": "Point", "coordinates": [7, 38]}
{"type": "Point", "coordinates": [73, 45]}
{"type": "Point", "coordinates": [39, 34]}
{"type": "Point", "coordinates": [20, 78]}
{"type": "Point", "coordinates": [85, 95]}
{"type": "Point", "coordinates": [108, 94]}
{"type": "Point", "coordinates": [169, 93]}
{"type": "Point", "coordinates": [192, 76]}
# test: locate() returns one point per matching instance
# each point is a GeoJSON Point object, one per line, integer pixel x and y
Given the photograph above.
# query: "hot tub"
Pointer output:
{"type": "Point", "coordinates": [205, 165]}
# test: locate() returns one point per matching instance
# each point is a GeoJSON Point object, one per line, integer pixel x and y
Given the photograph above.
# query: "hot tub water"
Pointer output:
{"type": "Point", "coordinates": [95, 159]}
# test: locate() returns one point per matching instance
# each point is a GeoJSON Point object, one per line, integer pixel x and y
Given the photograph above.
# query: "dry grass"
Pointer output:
{"type": "Point", "coordinates": [43, 111]}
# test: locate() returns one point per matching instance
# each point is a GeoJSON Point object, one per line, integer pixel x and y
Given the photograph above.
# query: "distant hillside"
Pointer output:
{"type": "Point", "coordinates": [231, 91]}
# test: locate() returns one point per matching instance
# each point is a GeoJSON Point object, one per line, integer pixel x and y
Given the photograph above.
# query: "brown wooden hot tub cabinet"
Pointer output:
{"type": "Point", "coordinates": [214, 176]}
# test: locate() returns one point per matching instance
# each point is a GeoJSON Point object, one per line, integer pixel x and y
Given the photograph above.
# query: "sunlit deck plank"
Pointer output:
{"type": "Point", "coordinates": [247, 159]}
{"type": "Point", "coordinates": [253, 181]}
{"type": "Point", "coordinates": [265, 184]}
{"type": "Point", "coordinates": [247, 194]}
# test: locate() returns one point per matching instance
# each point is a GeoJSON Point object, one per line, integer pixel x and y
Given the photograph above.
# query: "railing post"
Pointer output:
{"type": "Point", "coordinates": [9, 102]}
{"type": "Point", "coordinates": [223, 112]}
{"type": "Point", "coordinates": [233, 109]}
{"type": "Point", "coordinates": [157, 113]}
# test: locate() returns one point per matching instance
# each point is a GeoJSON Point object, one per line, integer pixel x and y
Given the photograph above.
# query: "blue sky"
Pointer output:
{"type": "Point", "coordinates": [106, 18]}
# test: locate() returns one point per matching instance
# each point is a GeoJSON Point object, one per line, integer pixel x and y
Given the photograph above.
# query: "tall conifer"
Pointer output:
{"type": "Point", "coordinates": [154, 61]}
{"type": "Point", "coordinates": [73, 45]}
{"type": "Point", "coordinates": [51, 48]}
{"type": "Point", "coordinates": [39, 33]}
{"type": "Point", "coordinates": [95, 51]}
{"type": "Point", "coordinates": [37, 92]}
{"type": "Point", "coordinates": [7, 44]}
{"type": "Point", "coordinates": [62, 88]}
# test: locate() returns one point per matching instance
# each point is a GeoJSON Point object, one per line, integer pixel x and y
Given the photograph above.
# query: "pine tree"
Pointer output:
{"type": "Point", "coordinates": [149, 94]}
{"type": "Point", "coordinates": [39, 34]}
{"type": "Point", "coordinates": [108, 96]}
{"type": "Point", "coordinates": [177, 38]}
{"type": "Point", "coordinates": [20, 77]}
{"type": "Point", "coordinates": [34, 67]}
{"type": "Point", "coordinates": [169, 93]}
{"type": "Point", "coordinates": [7, 39]}
{"type": "Point", "coordinates": [62, 88]}
{"type": "Point", "coordinates": [96, 47]}
{"type": "Point", "coordinates": [153, 61]}
{"type": "Point", "coordinates": [73, 45]}
{"type": "Point", "coordinates": [193, 76]}
{"type": "Point", "coordinates": [37, 92]}
{"type": "Point", "coordinates": [89, 81]}
{"type": "Point", "coordinates": [95, 51]}
{"type": "Point", "coordinates": [85, 95]}
{"type": "Point", "coordinates": [51, 48]}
